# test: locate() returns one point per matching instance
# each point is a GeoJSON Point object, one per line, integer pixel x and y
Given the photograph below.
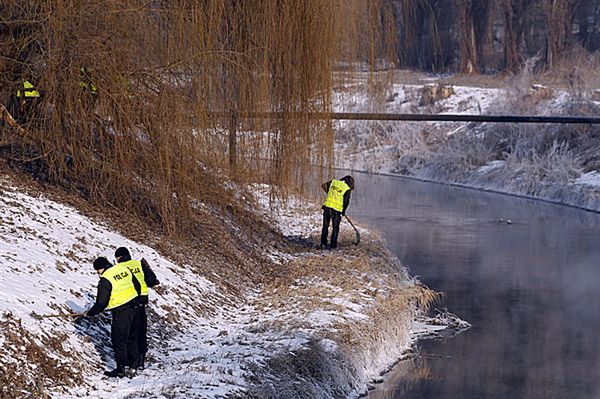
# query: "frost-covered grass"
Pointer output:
{"type": "Point", "coordinates": [546, 161]}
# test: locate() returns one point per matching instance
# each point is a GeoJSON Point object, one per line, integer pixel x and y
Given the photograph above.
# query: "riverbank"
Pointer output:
{"type": "Point", "coordinates": [557, 163]}
{"type": "Point", "coordinates": [250, 315]}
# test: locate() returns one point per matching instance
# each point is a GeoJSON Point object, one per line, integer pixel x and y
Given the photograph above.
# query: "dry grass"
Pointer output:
{"type": "Point", "coordinates": [367, 276]}
{"type": "Point", "coordinates": [31, 368]}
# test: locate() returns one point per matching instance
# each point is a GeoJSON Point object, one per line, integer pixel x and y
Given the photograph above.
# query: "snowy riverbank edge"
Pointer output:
{"type": "Point", "coordinates": [583, 196]}
{"type": "Point", "coordinates": [326, 327]}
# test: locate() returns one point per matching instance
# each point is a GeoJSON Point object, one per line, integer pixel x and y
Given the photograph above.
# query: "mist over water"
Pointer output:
{"type": "Point", "coordinates": [531, 290]}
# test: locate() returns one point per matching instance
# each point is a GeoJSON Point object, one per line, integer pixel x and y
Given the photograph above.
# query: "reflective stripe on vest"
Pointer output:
{"type": "Point", "coordinates": [28, 90]}
{"type": "Point", "coordinates": [121, 280]}
{"type": "Point", "coordinates": [335, 195]}
{"type": "Point", "coordinates": [136, 267]}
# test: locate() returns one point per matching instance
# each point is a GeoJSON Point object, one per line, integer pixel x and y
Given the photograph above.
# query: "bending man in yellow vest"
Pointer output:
{"type": "Point", "coordinates": [336, 203]}
{"type": "Point", "coordinates": [118, 291]}
{"type": "Point", "coordinates": [147, 278]}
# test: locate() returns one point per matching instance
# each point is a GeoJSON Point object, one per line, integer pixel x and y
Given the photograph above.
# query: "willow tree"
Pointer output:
{"type": "Point", "coordinates": [145, 142]}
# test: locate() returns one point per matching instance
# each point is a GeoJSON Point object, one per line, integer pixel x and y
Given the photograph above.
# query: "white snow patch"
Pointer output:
{"type": "Point", "coordinates": [490, 166]}
{"type": "Point", "coordinates": [589, 179]}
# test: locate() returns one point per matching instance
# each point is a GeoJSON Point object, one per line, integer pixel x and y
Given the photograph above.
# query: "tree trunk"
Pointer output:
{"type": "Point", "coordinates": [511, 53]}
{"type": "Point", "coordinates": [468, 58]}
{"type": "Point", "coordinates": [559, 20]}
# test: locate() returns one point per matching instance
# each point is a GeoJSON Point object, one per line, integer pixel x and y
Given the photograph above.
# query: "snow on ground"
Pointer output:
{"type": "Point", "coordinates": [46, 268]}
{"type": "Point", "coordinates": [377, 146]}
{"type": "Point", "coordinates": [589, 179]}
{"type": "Point", "coordinates": [201, 344]}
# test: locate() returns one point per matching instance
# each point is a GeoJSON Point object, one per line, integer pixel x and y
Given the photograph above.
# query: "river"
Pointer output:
{"type": "Point", "coordinates": [530, 288]}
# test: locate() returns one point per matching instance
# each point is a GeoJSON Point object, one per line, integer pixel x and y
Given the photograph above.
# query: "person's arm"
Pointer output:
{"type": "Point", "coordinates": [346, 201]}
{"type": "Point", "coordinates": [149, 276]}
{"type": "Point", "coordinates": [136, 283]}
{"type": "Point", "coordinates": [104, 291]}
{"type": "Point", "coordinates": [325, 186]}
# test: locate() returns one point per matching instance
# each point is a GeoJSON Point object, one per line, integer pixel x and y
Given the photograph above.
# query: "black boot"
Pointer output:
{"type": "Point", "coordinates": [118, 372]}
{"type": "Point", "coordinates": [140, 362]}
{"type": "Point", "coordinates": [130, 372]}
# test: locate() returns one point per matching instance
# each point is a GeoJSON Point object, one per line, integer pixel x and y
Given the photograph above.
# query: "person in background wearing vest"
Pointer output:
{"type": "Point", "coordinates": [86, 82]}
{"type": "Point", "coordinates": [23, 102]}
{"type": "Point", "coordinates": [147, 278]}
{"type": "Point", "coordinates": [118, 291]}
{"type": "Point", "coordinates": [336, 203]}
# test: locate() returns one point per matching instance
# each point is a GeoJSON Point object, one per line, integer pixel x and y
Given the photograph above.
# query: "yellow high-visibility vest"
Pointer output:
{"type": "Point", "coordinates": [335, 195]}
{"type": "Point", "coordinates": [136, 267]}
{"type": "Point", "coordinates": [88, 86]}
{"type": "Point", "coordinates": [28, 90]}
{"type": "Point", "coordinates": [121, 280]}
{"type": "Point", "coordinates": [86, 82]}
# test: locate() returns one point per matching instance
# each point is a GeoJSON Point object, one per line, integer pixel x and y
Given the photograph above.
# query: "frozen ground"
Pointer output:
{"type": "Point", "coordinates": [204, 343]}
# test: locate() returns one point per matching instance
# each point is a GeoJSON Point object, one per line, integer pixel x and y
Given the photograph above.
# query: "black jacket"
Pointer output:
{"type": "Point", "coordinates": [149, 278]}
{"type": "Point", "coordinates": [103, 297]}
{"type": "Point", "coordinates": [325, 187]}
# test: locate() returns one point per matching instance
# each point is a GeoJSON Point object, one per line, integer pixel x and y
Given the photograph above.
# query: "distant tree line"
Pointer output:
{"type": "Point", "coordinates": [471, 36]}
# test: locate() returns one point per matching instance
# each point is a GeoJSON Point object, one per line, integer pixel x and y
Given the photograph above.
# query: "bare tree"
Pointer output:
{"type": "Point", "coordinates": [559, 21]}
{"type": "Point", "coordinates": [468, 61]}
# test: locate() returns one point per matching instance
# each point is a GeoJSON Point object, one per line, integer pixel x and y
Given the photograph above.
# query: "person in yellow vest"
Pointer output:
{"type": "Point", "coordinates": [86, 82]}
{"type": "Point", "coordinates": [24, 101]}
{"type": "Point", "coordinates": [118, 291]}
{"type": "Point", "coordinates": [147, 278]}
{"type": "Point", "coordinates": [336, 203]}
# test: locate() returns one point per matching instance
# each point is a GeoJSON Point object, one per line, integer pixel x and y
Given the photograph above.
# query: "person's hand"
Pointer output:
{"type": "Point", "coordinates": [80, 318]}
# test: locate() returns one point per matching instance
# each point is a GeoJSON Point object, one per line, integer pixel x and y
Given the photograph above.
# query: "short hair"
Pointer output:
{"type": "Point", "coordinates": [122, 254]}
{"type": "Point", "coordinates": [101, 263]}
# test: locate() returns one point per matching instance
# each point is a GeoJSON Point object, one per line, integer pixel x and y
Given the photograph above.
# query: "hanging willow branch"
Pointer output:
{"type": "Point", "coordinates": [159, 67]}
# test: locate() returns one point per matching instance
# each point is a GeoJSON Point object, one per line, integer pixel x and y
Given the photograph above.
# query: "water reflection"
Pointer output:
{"type": "Point", "coordinates": [531, 289]}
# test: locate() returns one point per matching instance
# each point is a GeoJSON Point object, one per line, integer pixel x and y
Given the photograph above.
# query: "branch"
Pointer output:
{"type": "Point", "coordinates": [10, 121]}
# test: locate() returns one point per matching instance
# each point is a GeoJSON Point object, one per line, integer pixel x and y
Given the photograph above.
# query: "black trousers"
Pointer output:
{"type": "Point", "coordinates": [124, 335]}
{"type": "Point", "coordinates": [330, 215]}
{"type": "Point", "coordinates": [142, 332]}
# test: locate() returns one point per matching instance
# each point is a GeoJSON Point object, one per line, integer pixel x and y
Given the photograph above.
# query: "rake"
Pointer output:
{"type": "Point", "coordinates": [63, 315]}
{"type": "Point", "coordinates": [357, 237]}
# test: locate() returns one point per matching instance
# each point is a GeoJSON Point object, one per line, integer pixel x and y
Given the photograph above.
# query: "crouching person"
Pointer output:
{"type": "Point", "coordinates": [118, 291]}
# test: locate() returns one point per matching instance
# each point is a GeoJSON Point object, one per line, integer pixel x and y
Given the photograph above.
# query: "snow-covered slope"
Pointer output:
{"type": "Point", "coordinates": [554, 162]}
{"type": "Point", "coordinates": [204, 342]}
{"type": "Point", "coordinates": [47, 249]}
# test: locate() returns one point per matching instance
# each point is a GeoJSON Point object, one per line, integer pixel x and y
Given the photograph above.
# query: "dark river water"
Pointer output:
{"type": "Point", "coordinates": [531, 290]}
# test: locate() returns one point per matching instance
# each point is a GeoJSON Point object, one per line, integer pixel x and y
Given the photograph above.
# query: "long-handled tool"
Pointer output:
{"type": "Point", "coordinates": [357, 238]}
{"type": "Point", "coordinates": [45, 316]}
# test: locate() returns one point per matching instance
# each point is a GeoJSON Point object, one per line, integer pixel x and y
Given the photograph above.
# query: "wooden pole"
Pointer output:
{"type": "Point", "coordinates": [232, 141]}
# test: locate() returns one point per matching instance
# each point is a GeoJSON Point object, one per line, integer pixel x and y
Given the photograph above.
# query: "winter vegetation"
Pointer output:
{"type": "Point", "coordinates": [128, 142]}
{"type": "Point", "coordinates": [553, 162]}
